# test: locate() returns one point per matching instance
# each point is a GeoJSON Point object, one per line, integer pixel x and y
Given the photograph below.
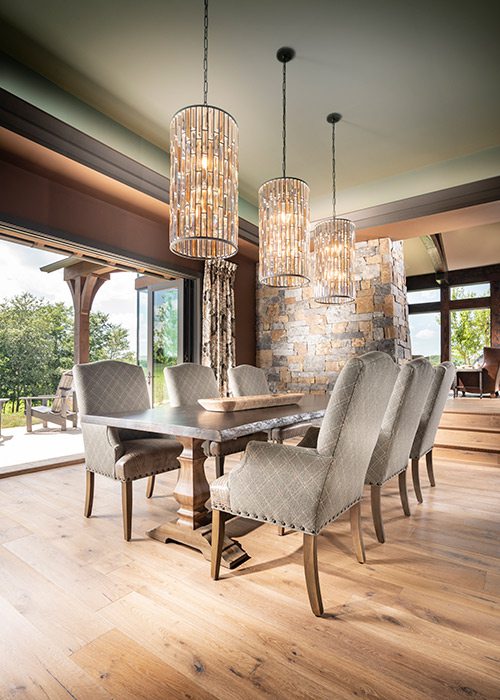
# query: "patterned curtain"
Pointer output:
{"type": "Point", "coordinates": [218, 346]}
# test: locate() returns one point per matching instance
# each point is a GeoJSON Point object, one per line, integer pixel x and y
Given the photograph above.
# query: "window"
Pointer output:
{"type": "Point", "coordinates": [470, 291]}
{"type": "Point", "coordinates": [425, 336]}
{"type": "Point", "coordinates": [423, 296]}
{"type": "Point", "coordinates": [469, 333]}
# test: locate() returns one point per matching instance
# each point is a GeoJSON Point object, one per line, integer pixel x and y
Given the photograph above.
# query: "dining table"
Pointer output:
{"type": "Point", "coordinates": [192, 426]}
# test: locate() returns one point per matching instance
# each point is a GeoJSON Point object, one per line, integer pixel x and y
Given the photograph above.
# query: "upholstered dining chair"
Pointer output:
{"type": "Point", "coordinates": [188, 382]}
{"type": "Point", "coordinates": [246, 380]}
{"type": "Point", "coordinates": [107, 387]}
{"type": "Point", "coordinates": [305, 489]}
{"type": "Point", "coordinates": [392, 451]}
{"type": "Point", "coordinates": [442, 382]}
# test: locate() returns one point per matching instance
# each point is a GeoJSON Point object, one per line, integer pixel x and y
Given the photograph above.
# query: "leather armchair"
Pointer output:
{"type": "Point", "coordinates": [442, 382]}
{"type": "Point", "coordinates": [307, 488]}
{"type": "Point", "coordinates": [123, 455]}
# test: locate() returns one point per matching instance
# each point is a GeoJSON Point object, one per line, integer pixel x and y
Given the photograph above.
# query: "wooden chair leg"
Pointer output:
{"type": "Point", "coordinates": [219, 466]}
{"type": "Point", "coordinates": [218, 529]}
{"type": "Point", "coordinates": [150, 486]}
{"type": "Point", "coordinates": [377, 512]}
{"type": "Point", "coordinates": [430, 468]}
{"type": "Point", "coordinates": [416, 479]}
{"type": "Point", "coordinates": [281, 530]}
{"type": "Point", "coordinates": [127, 509]}
{"type": "Point", "coordinates": [356, 533]}
{"type": "Point", "coordinates": [311, 574]}
{"type": "Point", "coordinates": [89, 493]}
{"type": "Point", "coordinates": [403, 492]}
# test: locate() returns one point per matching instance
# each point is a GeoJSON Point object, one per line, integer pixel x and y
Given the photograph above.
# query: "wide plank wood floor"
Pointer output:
{"type": "Point", "coordinates": [85, 615]}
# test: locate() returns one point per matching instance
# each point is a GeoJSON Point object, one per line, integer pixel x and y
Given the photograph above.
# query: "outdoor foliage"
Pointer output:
{"type": "Point", "coordinates": [470, 332]}
{"type": "Point", "coordinates": [36, 344]}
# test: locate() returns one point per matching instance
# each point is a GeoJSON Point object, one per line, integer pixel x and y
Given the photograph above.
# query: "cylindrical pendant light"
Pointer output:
{"type": "Point", "coordinates": [333, 241]}
{"type": "Point", "coordinates": [204, 177]}
{"type": "Point", "coordinates": [283, 218]}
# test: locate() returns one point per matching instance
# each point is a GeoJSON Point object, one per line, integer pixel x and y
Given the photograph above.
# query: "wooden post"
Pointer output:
{"type": "Point", "coordinates": [445, 323]}
{"type": "Point", "coordinates": [84, 281]}
{"type": "Point", "coordinates": [495, 313]}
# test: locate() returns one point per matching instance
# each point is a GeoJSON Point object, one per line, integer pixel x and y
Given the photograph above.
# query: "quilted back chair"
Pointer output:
{"type": "Point", "coordinates": [246, 380]}
{"type": "Point", "coordinates": [117, 387]}
{"type": "Point", "coordinates": [392, 451]}
{"type": "Point", "coordinates": [307, 488]}
{"type": "Point", "coordinates": [442, 382]}
{"type": "Point", "coordinates": [188, 382]}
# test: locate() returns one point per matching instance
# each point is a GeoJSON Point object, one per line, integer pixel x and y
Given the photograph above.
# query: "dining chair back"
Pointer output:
{"type": "Point", "coordinates": [246, 380]}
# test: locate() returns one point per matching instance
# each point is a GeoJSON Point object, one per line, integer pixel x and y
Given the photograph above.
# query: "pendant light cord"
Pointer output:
{"type": "Point", "coordinates": [334, 187]}
{"type": "Point", "coordinates": [205, 55]}
{"type": "Point", "coordinates": [283, 163]}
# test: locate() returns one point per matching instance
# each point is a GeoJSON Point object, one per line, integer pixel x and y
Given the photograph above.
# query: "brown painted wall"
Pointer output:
{"type": "Point", "coordinates": [45, 202]}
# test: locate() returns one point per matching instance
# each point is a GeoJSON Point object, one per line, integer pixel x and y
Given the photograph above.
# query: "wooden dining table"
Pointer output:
{"type": "Point", "coordinates": [192, 426]}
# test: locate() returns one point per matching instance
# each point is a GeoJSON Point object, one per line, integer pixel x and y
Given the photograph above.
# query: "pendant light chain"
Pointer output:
{"type": "Point", "coordinates": [283, 166]}
{"type": "Point", "coordinates": [205, 55]}
{"type": "Point", "coordinates": [334, 187]}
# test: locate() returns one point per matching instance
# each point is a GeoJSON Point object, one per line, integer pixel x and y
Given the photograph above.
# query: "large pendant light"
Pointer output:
{"type": "Point", "coordinates": [283, 218]}
{"type": "Point", "coordinates": [204, 177]}
{"type": "Point", "coordinates": [333, 241]}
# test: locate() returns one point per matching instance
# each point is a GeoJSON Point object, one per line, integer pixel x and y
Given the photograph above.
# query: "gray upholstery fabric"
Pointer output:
{"type": "Point", "coordinates": [290, 431]}
{"type": "Point", "coordinates": [246, 380]}
{"type": "Point", "coordinates": [444, 376]}
{"type": "Point", "coordinates": [305, 488]}
{"type": "Point", "coordinates": [188, 382]}
{"type": "Point", "coordinates": [401, 420]}
{"type": "Point", "coordinates": [112, 387]}
{"type": "Point", "coordinates": [230, 447]}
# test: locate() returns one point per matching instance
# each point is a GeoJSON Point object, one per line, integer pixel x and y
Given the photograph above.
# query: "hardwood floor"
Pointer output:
{"type": "Point", "coordinates": [85, 615]}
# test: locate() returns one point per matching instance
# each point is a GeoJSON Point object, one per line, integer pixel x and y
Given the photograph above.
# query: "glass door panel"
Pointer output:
{"type": "Point", "coordinates": [167, 336]}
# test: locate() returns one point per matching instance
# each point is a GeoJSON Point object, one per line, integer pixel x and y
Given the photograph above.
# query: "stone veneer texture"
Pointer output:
{"type": "Point", "coordinates": [303, 345]}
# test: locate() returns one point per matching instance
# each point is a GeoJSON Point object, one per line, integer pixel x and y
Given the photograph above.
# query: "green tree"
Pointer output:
{"type": "Point", "coordinates": [166, 330]}
{"type": "Point", "coordinates": [108, 341]}
{"type": "Point", "coordinates": [469, 331]}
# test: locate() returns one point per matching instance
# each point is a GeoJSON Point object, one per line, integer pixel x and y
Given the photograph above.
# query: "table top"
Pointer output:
{"type": "Point", "coordinates": [196, 422]}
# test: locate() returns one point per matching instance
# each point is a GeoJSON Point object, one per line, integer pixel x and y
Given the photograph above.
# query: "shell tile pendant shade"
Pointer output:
{"type": "Point", "coordinates": [283, 218]}
{"type": "Point", "coordinates": [204, 177]}
{"type": "Point", "coordinates": [333, 241]}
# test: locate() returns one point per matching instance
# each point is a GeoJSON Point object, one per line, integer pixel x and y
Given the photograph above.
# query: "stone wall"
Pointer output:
{"type": "Point", "coordinates": [303, 345]}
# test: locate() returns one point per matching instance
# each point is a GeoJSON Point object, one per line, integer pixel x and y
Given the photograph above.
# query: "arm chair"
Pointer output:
{"type": "Point", "coordinates": [188, 382]}
{"type": "Point", "coordinates": [489, 375]}
{"type": "Point", "coordinates": [124, 455]}
{"type": "Point", "coordinates": [307, 488]}
{"type": "Point", "coordinates": [442, 382]}
{"type": "Point", "coordinates": [62, 409]}
{"type": "Point", "coordinates": [392, 451]}
{"type": "Point", "coordinates": [246, 380]}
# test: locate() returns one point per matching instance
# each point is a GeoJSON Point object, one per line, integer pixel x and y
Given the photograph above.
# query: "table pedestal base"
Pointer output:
{"type": "Point", "coordinates": [201, 538]}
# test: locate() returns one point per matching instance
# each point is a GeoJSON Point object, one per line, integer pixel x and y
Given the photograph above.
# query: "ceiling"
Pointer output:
{"type": "Point", "coordinates": [417, 83]}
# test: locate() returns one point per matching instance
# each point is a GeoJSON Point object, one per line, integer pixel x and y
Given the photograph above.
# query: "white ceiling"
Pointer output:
{"type": "Point", "coordinates": [417, 82]}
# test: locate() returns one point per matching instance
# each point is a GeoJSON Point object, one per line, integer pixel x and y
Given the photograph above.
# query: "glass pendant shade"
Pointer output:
{"type": "Point", "coordinates": [283, 226]}
{"type": "Point", "coordinates": [203, 183]}
{"type": "Point", "coordinates": [333, 241]}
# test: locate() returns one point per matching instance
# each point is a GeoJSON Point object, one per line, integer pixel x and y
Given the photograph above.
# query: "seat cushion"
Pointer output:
{"type": "Point", "coordinates": [146, 457]}
{"type": "Point", "coordinates": [219, 493]}
{"type": "Point", "coordinates": [220, 449]}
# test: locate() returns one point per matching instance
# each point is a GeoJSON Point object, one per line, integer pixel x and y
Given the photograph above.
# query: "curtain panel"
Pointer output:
{"type": "Point", "coordinates": [218, 327]}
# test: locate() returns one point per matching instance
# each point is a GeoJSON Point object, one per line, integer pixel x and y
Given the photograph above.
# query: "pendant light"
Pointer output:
{"type": "Point", "coordinates": [333, 241]}
{"type": "Point", "coordinates": [204, 177]}
{"type": "Point", "coordinates": [283, 218]}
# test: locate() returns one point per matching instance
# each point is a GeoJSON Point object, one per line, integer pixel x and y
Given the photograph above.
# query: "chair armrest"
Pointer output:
{"type": "Point", "coordinates": [37, 398]}
{"type": "Point", "coordinates": [103, 448]}
{"type": "Point", "coordinates": [279, 483]}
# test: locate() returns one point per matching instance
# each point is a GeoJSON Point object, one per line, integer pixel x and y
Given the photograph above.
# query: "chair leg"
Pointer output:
{"type": "Point", "coordinates": [281, 530]}
{"type": "Point", "coordinates": [218, 529]}
{"type": "Point", "coordinates": [430, 468]}
{"type": "Point", "coordinates": [311, 574]}
{"type": "Point", "coordinates": [127, 509]}
{"type": "Point", "coordinates": [356, 533]}
{"type": "Point", "coordinates": [89, 493]}
{"type": "Point", "coordinates": [377, 512]}
{"type": "Point", "coordinates": [416, 479]}
{"type": "Point", "coordinates": [219, 466]}
{"type": "Point", "coordinates": [403, 492]}
{"type": "Point", "coordinates": [150, 486]}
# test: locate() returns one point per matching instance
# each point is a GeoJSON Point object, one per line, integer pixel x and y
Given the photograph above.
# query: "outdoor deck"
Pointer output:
{"type": "Point", "coordinates": [20, 451]}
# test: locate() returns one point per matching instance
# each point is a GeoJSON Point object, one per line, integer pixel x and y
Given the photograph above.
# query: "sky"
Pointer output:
{"type": "Point", "coordinates": [20, 272]}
